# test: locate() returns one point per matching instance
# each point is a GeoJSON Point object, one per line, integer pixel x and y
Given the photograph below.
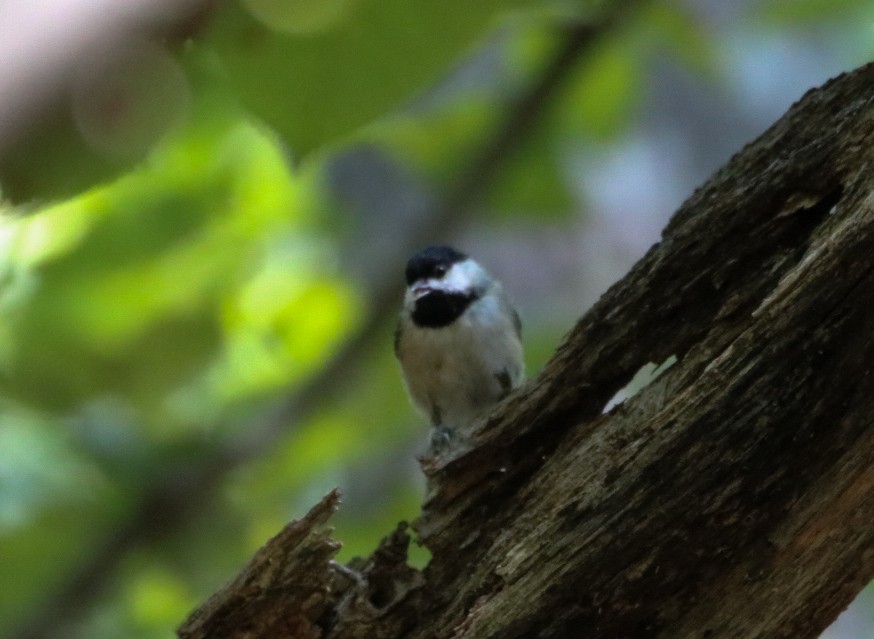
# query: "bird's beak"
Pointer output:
{"type": "Point", "coordinates": [421, 290]}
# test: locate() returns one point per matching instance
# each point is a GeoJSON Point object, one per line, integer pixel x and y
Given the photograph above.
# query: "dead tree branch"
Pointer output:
{"type": "Point", "coordinates": [732, 497]}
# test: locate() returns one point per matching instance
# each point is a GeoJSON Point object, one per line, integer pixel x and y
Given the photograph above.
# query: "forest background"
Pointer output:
{"type": "Point", "coordinates": [206, 208]}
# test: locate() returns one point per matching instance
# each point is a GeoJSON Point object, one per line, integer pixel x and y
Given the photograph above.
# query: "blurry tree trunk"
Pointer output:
{"type": "Point", "coordinates": [732, 497]}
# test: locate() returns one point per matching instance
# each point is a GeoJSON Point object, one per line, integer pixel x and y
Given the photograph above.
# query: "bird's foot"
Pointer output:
{"type": "Point", "coordinates": [441, 440]}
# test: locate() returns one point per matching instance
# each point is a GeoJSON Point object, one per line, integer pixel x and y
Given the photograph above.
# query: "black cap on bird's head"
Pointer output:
{"type": "Point", "coordinates": [432, 262]}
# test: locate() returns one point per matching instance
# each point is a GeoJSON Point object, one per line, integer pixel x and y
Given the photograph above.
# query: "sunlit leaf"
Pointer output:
{"type": "Point", "coordinates": [141, 267]}
{"type": "Point", "coordinates": [158, 598]}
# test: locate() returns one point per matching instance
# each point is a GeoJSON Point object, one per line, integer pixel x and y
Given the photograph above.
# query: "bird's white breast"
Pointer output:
{"type": "Point", "coordinates": [453, 368]}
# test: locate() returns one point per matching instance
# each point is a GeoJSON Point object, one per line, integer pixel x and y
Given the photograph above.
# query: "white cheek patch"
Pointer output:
{"type": "Point", "coordinates": [459, 279]}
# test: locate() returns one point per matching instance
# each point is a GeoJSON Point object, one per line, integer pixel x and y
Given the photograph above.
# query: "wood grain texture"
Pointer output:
{"type": "Point", "coordinates": [282, 592]}
{"type": "Point", "coordinates": [732, 497]}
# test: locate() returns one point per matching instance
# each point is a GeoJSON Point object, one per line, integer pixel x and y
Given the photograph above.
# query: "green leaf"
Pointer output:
{"type": "Point", "coordinates": [532, 182]}
{"type": "Point", "coordinates": [604, 91]}
{"type": "Point", "coordinates": [315, 87]}
{"type": "Point", "coordinates": [678, 30]}
{"type": "Point", "coordinates": [52, 161]}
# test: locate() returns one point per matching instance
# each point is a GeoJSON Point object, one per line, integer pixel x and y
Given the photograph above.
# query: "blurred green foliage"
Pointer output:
{"type": "Point", "coordinates": [352, 62]}
{"type": "Point", "coordinates": [805, 12]}
{"type": "Point", "coordinates": [172, 266]}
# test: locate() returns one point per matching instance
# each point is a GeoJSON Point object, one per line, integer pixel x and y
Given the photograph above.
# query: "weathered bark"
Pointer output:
{"type": "Point", "coordinates": [732, 497]}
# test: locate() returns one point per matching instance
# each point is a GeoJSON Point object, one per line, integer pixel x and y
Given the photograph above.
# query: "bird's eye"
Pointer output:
{"type": "Point", "coordinates": [439, 271]}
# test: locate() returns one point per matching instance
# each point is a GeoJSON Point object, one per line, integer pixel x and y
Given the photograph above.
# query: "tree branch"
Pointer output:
{"type": "Point", "coordinates": [732, 497]}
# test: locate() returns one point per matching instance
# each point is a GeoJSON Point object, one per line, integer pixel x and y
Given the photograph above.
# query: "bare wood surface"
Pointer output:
{"type": "Point", "coordinates": [732, 497]}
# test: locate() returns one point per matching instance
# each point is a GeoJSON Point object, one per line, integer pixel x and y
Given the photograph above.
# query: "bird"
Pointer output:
{"type": "Point", "coordinates": [458, 341]}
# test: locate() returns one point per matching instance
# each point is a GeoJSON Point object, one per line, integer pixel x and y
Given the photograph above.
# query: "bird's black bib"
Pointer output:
{"type": "Point", "coordinates": [438, 308]}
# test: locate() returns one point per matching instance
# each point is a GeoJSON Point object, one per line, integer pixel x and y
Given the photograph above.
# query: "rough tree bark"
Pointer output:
{"type": "Point", "coordinates": [732, 497]}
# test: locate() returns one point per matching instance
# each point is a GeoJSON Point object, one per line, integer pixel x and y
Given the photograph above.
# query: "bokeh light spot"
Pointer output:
{"type": "Point", "coordinates": [124, 104]}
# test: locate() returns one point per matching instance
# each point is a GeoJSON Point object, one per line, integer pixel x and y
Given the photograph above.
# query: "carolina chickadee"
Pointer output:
{"type": "Point", "coordinates": [458, 340]}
